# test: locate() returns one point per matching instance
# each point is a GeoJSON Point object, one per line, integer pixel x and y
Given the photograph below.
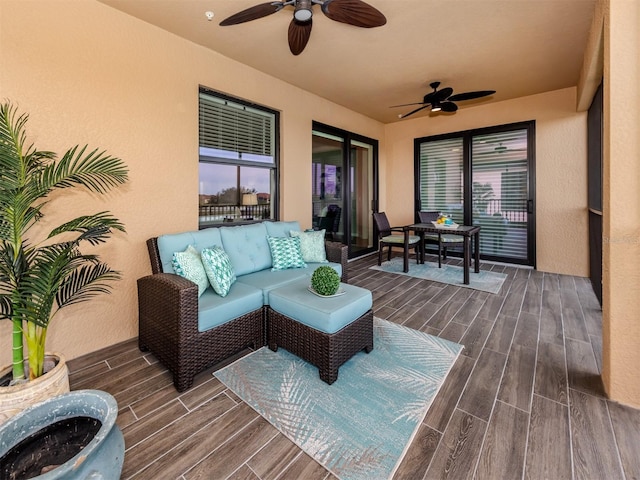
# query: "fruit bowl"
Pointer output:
{"type": "Point", "coordinates": [451, 226]}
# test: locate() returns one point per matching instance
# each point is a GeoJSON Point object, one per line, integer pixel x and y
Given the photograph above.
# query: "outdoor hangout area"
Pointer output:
{"type": "Point", "coordinates": [233, 246]}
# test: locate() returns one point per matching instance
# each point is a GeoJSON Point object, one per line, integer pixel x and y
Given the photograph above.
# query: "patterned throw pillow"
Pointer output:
{"type": "Point", "coordinates": [219, 270]}
{"type": "Point", "coordinates": [285, 253]}
{"type": "Point", "coordinates": [311, 245]}
{"type": "Point", "coordinates": [187, 264]}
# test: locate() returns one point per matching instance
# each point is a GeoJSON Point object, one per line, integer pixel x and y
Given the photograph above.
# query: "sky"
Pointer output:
{"type": "Point", "coordinates": [216, 177]}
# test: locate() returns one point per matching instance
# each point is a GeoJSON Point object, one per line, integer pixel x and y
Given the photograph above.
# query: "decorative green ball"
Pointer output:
{"type": "Point", "coordinates": [325, 280]}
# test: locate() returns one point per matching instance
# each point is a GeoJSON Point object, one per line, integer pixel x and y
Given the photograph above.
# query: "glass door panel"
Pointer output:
{"type": "Point", "coordinates": [500, 193]}
{"type": "Point", "coordinates": [361, 196]}
{"type": "Point", "coordinates": [327, 188]}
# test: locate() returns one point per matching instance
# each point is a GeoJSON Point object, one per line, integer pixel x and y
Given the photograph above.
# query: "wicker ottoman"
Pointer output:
{"type": "Point", "coordinates": [325, 332]}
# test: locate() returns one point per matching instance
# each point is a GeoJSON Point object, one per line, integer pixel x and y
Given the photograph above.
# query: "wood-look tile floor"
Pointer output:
{"type": "Point", "coordinates": [523, 401]}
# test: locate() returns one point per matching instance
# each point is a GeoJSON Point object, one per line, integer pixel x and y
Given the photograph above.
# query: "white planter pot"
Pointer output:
{"type": "Point", "coordinates": [16, 398]}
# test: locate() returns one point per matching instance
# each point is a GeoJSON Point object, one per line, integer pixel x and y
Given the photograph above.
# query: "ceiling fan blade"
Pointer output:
{"type": "Point", "coordinates": [413, 111]}
{"type": "Point", "coordinates": [299, 33]}
{"type": "Point", "coordinates": [470, 95]}
{"type": "Point", "coordinates": [448, 107]}
{"type": "Point", "coordinates": [253, 13]}
{"type": "Point", "coordinates": [440, 95]}
{"type": "Point", "coordinates": [353, 12]}
{"type": "Point", "coordinates": [407, 104]}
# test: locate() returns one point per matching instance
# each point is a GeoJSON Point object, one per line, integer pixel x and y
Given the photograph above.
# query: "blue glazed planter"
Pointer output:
{"type": "Point", "coordinates": [102, 458]}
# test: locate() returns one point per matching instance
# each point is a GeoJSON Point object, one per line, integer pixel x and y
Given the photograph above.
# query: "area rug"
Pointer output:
{"type": "Point", "coordinates": [360, 426]}
{"type": "Point", "coordinates": [450, 274]}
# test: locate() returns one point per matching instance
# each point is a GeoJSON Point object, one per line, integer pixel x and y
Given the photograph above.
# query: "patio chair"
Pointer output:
{"type": "Point", "coordinates": [446, 240]}
{"type": "Point", "coordinates": [331, 221]}
{"type": "Point", "coordinates": [388, 236]}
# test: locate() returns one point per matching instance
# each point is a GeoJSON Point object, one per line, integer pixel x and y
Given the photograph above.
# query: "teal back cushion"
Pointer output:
{"type": "Point", "coordinates": [281, 229]}
{"type": "Point", "coordinates": [178, 242]}
{"type": "Point", "coordinates": [247, 247]}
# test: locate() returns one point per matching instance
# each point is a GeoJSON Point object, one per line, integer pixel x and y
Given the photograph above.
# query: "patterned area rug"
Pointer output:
{"type": "Point", "coordinates": [453, 275]}
{"type": "Point", "coordinates": [361, 426]}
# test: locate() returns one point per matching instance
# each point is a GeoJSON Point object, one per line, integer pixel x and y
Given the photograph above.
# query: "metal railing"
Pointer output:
{"type": "Point", "coordinates": [230, 213]}
{"type": "Point", "coordinates": [513, 211]}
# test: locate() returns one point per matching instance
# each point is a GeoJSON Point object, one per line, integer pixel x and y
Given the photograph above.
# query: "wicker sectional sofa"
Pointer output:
{"type": "Point", "coordinates": [188, 333]}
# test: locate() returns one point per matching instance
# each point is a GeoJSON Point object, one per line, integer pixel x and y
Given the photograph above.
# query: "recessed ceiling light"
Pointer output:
{"type": "Point", "coordinates": [209, 14]}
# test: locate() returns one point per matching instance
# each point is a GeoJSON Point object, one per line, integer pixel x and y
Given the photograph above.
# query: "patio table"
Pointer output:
{"type": "Point", "coordinates": [467, 231]}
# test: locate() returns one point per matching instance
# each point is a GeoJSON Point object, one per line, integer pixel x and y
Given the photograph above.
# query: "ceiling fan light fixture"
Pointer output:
{"type": "Point", "coordinates": [436, 108]}
{"type": "Point", "coordinates": [303, 11]}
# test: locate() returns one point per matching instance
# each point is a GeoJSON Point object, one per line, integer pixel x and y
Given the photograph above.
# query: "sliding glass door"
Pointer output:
{"type": "Point", "coordinates": [483, 177]}
{"type": "Point", "coordinates": [361, 196]}
{"type": "Point", "coordinates": [344, 187]}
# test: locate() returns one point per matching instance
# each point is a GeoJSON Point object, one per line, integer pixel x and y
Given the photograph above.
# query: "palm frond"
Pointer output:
{"type": "Point", "coordinates": [6, 310]}
{"type": "Point", "coordinates": [94, 229]}
{"type": "Point", "coordinates": [18, 216]}
{"type": "Point", "coordinates": [95, 170]}
{"type": "Point", "coordinates": [17, 160]}
{"type": "Point", "coordinates": [85, 283]}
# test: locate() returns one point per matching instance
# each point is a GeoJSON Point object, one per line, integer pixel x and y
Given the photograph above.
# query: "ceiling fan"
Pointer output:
{"type": "Point", "coordinates": [352, 12]}
{"type": "Point", "coordinates": [443, 100]}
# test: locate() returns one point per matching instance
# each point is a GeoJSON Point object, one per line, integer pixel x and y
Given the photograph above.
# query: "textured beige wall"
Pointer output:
{"type": "Point", "coordinates": [561, 170]}
{"type": "Point", "coordinates": [621, 202]}
{"type": "Point", "coordinates": [87, 73]}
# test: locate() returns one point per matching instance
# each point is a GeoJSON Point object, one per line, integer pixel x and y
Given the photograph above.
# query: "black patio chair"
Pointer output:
{"type": "Point", "coordinates": [389, 236]}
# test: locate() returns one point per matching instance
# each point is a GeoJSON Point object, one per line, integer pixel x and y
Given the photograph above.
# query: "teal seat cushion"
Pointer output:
{"type": "Point", "coordinates": [446, 238]}
{"type": "Point", "coordinates": [328, 315]}
{"type": "Point", "coordinates": [178, 242]}
{"type": "Point", "coordinates": [247, 247]}
{"type": "Point", "coordinates": [281, 229]}
{"type": "Point", "coordinates": [399, 239]}
{"type": "Point", "coordinates": [214, 310]}
{"type": "Point", "coordinates": [266, 280]}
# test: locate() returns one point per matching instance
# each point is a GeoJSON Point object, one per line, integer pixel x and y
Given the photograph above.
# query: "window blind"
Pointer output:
{"type": "Point", "coordinates": [230, 131]}
{"type": "Point", "coordinates": [441, 177]}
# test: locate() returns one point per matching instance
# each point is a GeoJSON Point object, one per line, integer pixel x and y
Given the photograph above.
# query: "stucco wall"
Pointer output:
{"type": "Point", "coordinates": [621, 201]}
{"type": "Point", "coordinates": [87, 73]}
{"type": "Point", "coordinates": [561, 170]}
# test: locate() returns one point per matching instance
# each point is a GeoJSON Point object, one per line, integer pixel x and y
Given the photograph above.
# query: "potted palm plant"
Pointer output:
{"type": "Point", "coordinates": [39, 276]}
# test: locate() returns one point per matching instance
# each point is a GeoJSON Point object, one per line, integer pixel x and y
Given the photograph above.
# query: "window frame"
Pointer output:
{"type": "Point", "coordinates": [272, 167]}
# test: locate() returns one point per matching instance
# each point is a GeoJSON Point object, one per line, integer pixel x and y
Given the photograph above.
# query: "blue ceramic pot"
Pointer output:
{"type": "Point", "coordinates": [102, 457]}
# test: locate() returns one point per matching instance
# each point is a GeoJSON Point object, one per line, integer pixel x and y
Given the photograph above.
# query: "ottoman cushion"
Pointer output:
{"type": "Point", "coordinates": [328, 315]}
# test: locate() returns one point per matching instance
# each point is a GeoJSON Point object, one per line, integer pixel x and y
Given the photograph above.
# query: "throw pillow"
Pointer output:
{"type": "Point", "coordinates": [285, 253]}
{"type": "Point", "coordinates": [219, 270]}
{"type": "Point", "coordinates": [312, 245]}
{"type": "Point", "coordinates": [187, 264]}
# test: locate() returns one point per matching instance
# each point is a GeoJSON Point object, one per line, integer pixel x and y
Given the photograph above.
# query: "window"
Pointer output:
{"type": "Point", "coordinates": [238, 155]}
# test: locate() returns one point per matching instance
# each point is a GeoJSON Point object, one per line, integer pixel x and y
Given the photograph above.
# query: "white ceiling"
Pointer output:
{"type": "Point", "coordinates": [516, 47]}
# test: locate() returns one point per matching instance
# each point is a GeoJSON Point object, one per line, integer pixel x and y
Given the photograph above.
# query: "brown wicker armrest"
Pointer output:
{"type": "Point", "coordinates": [168, 307]}
{"type": "Point", "coordinates": [338, 253]}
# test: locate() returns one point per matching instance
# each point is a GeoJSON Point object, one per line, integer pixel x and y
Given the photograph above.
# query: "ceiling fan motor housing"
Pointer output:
{"type": "Point", "coordinates": [303, 12]}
